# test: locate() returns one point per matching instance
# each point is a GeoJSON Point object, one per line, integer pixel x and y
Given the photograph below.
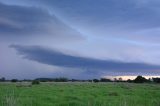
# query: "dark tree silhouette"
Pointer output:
{"type": "Point", "coordinates": [95, 80]}
{"type": "Point", "coordinates": [14, 80]}
{"type": "Point", "coordinates": [129, 80]}
{"type": "Point", "coordinates": [2, 79]}
{"type": "Point", "coordinates": [156, 80]}
{"type": "Point", "coordinates": [35, 82]}
{"type": "Point", "coordinates": [61, 79]}
{"type": "Point", "coordinates": [105, 80]}
{"type": "Point", "coordinates": [140, 79]}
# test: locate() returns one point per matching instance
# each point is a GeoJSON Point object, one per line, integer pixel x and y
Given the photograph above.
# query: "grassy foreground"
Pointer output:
{"type": "Point", "coordinates": [80, 94]}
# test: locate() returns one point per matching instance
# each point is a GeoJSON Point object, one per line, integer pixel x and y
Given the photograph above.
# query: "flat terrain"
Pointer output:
{"type": "Point", "coordinates": [80, 94]}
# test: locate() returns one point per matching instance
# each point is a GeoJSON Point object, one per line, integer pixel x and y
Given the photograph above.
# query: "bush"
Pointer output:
{"type": "Point", "coordinates": [2, 79]}
{"type": "Point", "coordinates": [61, 79]}
{"type": "Point", "coordinates": [95, 80]}
{"type": "Point", "coordinates": [105, 80]}
{"type": "Point", "coordinates": [156, 80]}
{"type": "Point", "coordinates": [129, 80]}
{"type": "Point", "coordinates": [140, 79]}
{"type": "Point", "coordinates": [35, 82]}
{"type": "Point", "coordinates": [14, 80]}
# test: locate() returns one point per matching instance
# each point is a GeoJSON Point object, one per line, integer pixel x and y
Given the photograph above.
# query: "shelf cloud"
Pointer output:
{"type": "Point", "coordinates": [53, 57]}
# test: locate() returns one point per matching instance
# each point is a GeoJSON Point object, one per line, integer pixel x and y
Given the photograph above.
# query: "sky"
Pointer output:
{"type": "Point", "coordinates": [79, 38]}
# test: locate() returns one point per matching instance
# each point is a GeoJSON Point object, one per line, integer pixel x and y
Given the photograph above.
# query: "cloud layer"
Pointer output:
{"type": "Point", "coordinates": [53, 57]}
{"type": "Point", "coordinates": [28, 21]}
{"type": "Point", "coordinates": [94, 37]}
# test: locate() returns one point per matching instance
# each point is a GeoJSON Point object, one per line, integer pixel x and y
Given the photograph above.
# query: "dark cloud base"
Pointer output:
{"type": "Point", "coordinates": [53, 57]}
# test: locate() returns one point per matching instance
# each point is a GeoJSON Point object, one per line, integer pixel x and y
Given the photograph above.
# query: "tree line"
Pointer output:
{"type": "Point", "coordinates": [138, 79]}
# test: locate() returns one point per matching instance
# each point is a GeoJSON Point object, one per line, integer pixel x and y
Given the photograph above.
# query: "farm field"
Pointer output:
{"type": "Point", "coordinates": [80, 94]}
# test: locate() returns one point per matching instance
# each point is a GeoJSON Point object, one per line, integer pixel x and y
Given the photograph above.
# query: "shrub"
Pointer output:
{"type": "Point", "coordinates": [14, 80]}
{"type": "Point", "coordinates": [95, 80]}
{"type": "Point", "coordinates": [129, 80]}
{"type": "Point", "coordinates": [35, 82]}
{"type": "Point", "coordinates": [2, 79]}
{"type": "Point", "coordinates": [140, 79]}
{"type": "Point", "coordinates": [157, 80]}
{"type": "Point", "coordinates": [61, 79]}
{"type": "Point", "coordinates": [105, 80]}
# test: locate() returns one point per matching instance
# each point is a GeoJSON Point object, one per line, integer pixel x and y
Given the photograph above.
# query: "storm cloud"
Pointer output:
{"type": "Point", "coordinates": [28, 21]}
{"type": "Point", "coordinates": [54, 57]}
{"type": "Point", "coordinates": [85, 37]}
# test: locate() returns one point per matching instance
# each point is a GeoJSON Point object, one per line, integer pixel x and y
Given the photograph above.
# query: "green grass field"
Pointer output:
{"type": "Point", "coordinates": [80, 94]}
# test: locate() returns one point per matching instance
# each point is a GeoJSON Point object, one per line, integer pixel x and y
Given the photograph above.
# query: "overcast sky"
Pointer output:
{"type": "Point", "coordinates": [79, 38]}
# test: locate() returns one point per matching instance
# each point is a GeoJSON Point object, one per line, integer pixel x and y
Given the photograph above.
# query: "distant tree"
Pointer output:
{"type": "Point", "coordinates": [26, 80]}
{"type": "Point", "coordinates": [149, 80]}
{"type": "Point", "coordinates": [120, 79]}
{"type": "Point", "coordinates": [105, 80]}
{"type": "Point", "coordinates": [89, 80]}
{"type": "Point", "coordinates": [35, 82]}
{"type": "Point", "coordinates": [129, 80]}
{"type": "Point", "coordinates": [14, 80]}
{"type": "Point", "coordinates": [95, 80]}
{"type": "Point", "coordinates": [2, 79]}
{"type": "Point", "coordinates": [115, 79]}
{"type": "Point", "coordinates": [140, 79]}
{"type": "Point", "coordinates": [44, 79]}
{"type": "Point", "coordinates": [74, 80]}
{"type": "Point", "coordinates": [61, 79]}
{"type": "Point", "coordinates": [156, 80]}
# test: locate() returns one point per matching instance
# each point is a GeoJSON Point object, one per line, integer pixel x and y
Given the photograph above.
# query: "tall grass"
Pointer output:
{"type": "Point", "coordinates": [10, 99]}
{"type": "Point", "coordinates": [80, 94]}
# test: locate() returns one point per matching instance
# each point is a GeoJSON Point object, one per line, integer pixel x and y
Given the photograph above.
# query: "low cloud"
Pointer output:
{"type": "Point", "coordinates": [56, 58]}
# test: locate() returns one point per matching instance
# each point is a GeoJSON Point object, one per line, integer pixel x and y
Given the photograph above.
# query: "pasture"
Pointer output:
{"type": "Point", "coordinates": [80, 94]}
